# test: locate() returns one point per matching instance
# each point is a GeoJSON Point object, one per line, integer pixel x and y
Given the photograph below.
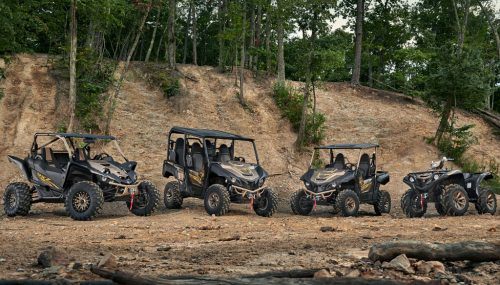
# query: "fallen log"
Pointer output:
{"type": "Point", "coordinates": [468, 250]}
{"type": "Point", "coordinates": [125, 278]}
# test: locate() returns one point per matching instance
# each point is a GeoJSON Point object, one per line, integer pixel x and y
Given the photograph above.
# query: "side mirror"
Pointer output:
{"type": "Point", "coordinates": [189, 161]}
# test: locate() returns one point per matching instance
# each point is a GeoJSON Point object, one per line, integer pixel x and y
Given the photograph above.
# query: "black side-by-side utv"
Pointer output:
{"type": "Point", "coordinates": [450, 190]}
{"type": "Point", "coordinates": [207, 164]}
{"type": "Point", "coordinates": [333, 180]}
{"type": "Point", "coordinates": [75, 170]}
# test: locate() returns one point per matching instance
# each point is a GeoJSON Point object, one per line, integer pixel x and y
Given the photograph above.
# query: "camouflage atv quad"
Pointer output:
{"type": "Point", "coordinates": [333, 180]}
{"type": "Point", "coordinates": [76, 169]}
{"type": "Point", "coordinates": [218, 167]}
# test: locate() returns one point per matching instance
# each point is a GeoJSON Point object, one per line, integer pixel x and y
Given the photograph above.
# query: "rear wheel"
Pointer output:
{"type": "Point", "coordinates": [301, 204]}
{"type": "Point", "coordinates": [486, 202]}
{"type": "Point", "coordinates": [17, 199]}
{"type": "Point", "coordinates": [267, 204]}
{"type": "Point", "coordinates": [383, 203]}
{"type": "Point", "coordinates": [217, 200]}
{"type": "Point", "coordinates": [454, 200]}
{"type": "Point", "coordinates": [413, 204]}
{"type": "Point", "coordinates": [172, 196]}
{"type": "Point", "coordinates": [348, 203]}
{"type": "Point", "coordinates": [146, 202]}
{"type": "Point", "coordinates": [84, 201]}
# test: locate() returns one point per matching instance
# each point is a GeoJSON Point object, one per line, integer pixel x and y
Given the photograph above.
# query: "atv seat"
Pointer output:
{"type": "Point", "coordinates": [180, 147]}
{"type": "Point", "coordinates": [197, 156]}
{"type": "Point", "coordinates": [210, 150]}
{"type": "Point", "coordinates": [339, 162]}
{"type": "Point", "coordinates": [224, 154]}
{"type": "Point", "coordinates": [364, 166]}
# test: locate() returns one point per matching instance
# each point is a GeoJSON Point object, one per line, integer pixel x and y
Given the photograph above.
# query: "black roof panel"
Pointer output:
{"type": "Point", "coordinates": [348, 146]}
{"type": "Point", "coordinates": [205, 133]}
{"type": "Point", "coordinates": [74, 135]}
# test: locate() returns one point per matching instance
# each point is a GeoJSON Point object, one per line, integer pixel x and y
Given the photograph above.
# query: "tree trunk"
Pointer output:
{"type": "Point", "coordinates": [252, 35]}
{"type": "Point", "coordinates": [492, 26]}
{"type": "Point", "coordinates": [268, 43]}
{"type": "Point", "coordinates": [114, 95]}
{"type": "Point", "coordinates": [186, 34]}
{"type": "Point", "coordinates": [151, 44]}
{"type": "Point", "coordinates": [467, 250]}
{"type": "Point", "coordinates": [171, 33]}
{"type": "Point", "coordinates": [258, 25]}
{"type": "Point", "coordinates": [242, 66]}
{"type": "Point", "coordinates": [356, 72]}
{"type": "Point", "coordinates": [160, 42]}
{"type": "Point", "coordinates": [281, 53]}
{"type": "Point", "coordinates": [222, 26]}
{"type": "Point", "coordinates": [72, 67]}
{"type": "Point", "coordinates": [195, 34]}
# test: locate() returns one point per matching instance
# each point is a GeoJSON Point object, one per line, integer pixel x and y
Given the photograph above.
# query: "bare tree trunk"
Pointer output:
{"type": "Point", "coordinates": [195, 34]}
{"type": "Point", "coordinates": [151, 44]}
{"type": "Point", "coordinates": [114, 95]}
{"type": "Point", "coordinates": [72, 67]}
{"type": "Point", "coordinates": [160, 42]}
{"type": "Point", "coordinates": [222, 26]}
{"type": "Point", "coordinates": [268, 43]}
{"type": "Point", "coordinates": [186, 34]}
{"type": "Point", "coordinates": [281, 52]}
{"type": "Point", "coordinates": [171, 33]}
{"type": "Point", "coordinates": [356, 72]}
{"type": "Point", "coordinates": [252, 35]}
{"type": "Point", "coordinates": [258, 26]}
{"type": "Point", "coordinates": [242, 66]}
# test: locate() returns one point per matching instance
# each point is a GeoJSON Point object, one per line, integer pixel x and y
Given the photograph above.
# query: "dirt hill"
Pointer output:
{"type": "Point", "coordinates": [143, 118]}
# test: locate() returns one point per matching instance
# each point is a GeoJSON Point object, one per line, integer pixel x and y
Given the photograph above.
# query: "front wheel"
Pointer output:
{"type": "Point", "coordinates": [301, 204]}
{"type": "Point", "coordinates": [17, 199]}
{"type": "Point", "coordinates": [413, 204]}
{"type": "Point", "coordinates": [84, 201]}
{"type": "Point", "coordinates": [172, 196]}
{"type": "Point", "coordinates": [454, 200]}
{"type": "Point", "coordinates": [217, 200]}
{"type": "Point", "coordinates": [486, 202]}
{"type": "Point", "coordinates": [383, 203]}
{"type": "Point", "coordinates": [267, 204]}
{"type": "Point", "coordinates": [348, 203]}
{"type": "Point", "coordinates": [146, 201]}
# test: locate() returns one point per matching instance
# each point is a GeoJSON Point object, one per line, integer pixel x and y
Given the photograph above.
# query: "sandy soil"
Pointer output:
{"type": "Point", "coordinates": [187, 241]}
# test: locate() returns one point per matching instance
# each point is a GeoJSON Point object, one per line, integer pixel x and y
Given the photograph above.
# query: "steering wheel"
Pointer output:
{"type": "Point", "coordinates": [101, 156]}
{"type": "Point", "coordinates": [239, 158]}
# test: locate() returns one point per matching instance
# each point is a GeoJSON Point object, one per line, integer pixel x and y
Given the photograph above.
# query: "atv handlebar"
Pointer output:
{"type": "Point", "coordinates": [440, 164]}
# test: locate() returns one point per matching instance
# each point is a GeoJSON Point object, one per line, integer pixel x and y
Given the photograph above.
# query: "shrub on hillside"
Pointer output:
{"type": "Point", "coordinates": [290, 102]}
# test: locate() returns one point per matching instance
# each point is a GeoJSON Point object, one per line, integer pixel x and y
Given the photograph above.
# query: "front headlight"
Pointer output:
{"type": "Point", "coordinates": [233, 180]}
{"type": "Point", "coordinates": [261, 181]}
{"type": "Point", "coordinates": [436, 177]}
{"type": "Point", "coordinates": [412, 179]}
{"type": "Point", "coordinates": [307, 184]}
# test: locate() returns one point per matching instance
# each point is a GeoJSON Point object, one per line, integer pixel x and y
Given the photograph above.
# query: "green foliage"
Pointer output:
{"type": "Point", "coordinates": [290, 103]}
{"type": "Point", "coordinates": [167, 81]}
{"type": "Point", "coordinates": [171, 87]}
{"type": "Point", "coordinates": [457, 141]}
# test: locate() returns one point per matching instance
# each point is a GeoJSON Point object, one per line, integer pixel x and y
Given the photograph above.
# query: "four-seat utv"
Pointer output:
{"type": "Point", "coordinates": [450, 190]}
{"type": "Point", "coordinates": [218, 167]}
{"type": "Point", "coordinates": [75, 169]}
{"type": "Point", "coordinates": [333, 180]}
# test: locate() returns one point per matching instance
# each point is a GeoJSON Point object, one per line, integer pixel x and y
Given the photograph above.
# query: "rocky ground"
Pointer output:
{"type": "Point", "coordinates": [188, 242]}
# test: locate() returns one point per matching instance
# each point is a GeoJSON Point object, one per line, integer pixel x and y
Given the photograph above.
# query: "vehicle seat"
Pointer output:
{"type": "Point", "coordinates": [197, 155]}
{"type": "Point", "coordinates": [373, 165]}
{"type": "Point", "coordinates": [339, 162]}
{"type": "Point", "coordinates": [180, 151]}
{"type": "Point", "coordinates": [211, 150]}
{"type": "Point", "coordinates": [224, 155]}
{"type": "Point", "coordinates": [364, 165]}
{"type": "Point", "coordinates": [80, 154]}
{"type": "Point", "coordinates": [50, 157]}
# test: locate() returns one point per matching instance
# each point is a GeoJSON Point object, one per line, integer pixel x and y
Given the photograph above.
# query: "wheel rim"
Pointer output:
{"type": "Point", "coordinates": [262, 203]}
{"type": "Point", "coordinates": [12, 200]}
{"type": "Point", "coordinates": [81, 202]}
{"type": "Point", "coordinates": [350, 204]}
{"type": "Point", "coordinates": [142, 199]}
{"type": "Point", "coordinates": [169, 194]}
{"type": "Point", "coordinates": [417, 203]}
{"type": "Point", "coordinates": [387, 204]}
{"type": "Point", "coordinates": [459, 200]}
{"type": "Point", "coordinates": [305, 203]}
{"type": "Point", "coordinates": [213, 200]}
{"type": "Point", "coordinates": [490, 201]}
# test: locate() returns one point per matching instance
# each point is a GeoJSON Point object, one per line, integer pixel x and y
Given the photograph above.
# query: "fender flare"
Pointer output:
{"type": "Point", "coordinates": [480, 178]}
{"type": "Point", "coordinates": [20, 163]}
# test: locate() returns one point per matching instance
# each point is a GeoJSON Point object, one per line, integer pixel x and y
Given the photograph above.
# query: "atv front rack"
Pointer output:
{"type": "Point", "coordinates": [243, 191]}
{"type": "Point", "coordinates": [130, 189]}
{"type": "Point", "coordinates": [324, 195]}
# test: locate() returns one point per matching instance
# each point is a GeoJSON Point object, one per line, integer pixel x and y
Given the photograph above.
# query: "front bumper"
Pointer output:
{"type": "Point", "coordinates": [245, 192]}
{"type": "Point", "coordinates": [128, 189]}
